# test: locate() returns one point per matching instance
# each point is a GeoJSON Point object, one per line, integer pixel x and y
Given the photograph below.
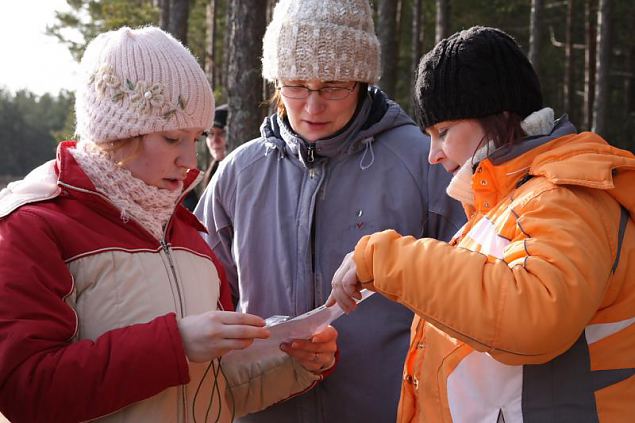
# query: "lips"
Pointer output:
{"type": "Point", "coordinates": [315, 123]}
{"type": "Point", "coordinates": [173, 183]}
{"type": "Point", "coordinates": [453, 170]}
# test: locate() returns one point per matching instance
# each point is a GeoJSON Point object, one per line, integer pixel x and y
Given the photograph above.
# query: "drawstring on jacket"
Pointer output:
{"type": "Point", "coordinates": [368, 146]}
{"type": "Point", "coordinates": [271, 146]}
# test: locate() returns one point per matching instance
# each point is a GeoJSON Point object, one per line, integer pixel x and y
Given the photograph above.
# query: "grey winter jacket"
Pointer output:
{"type": "Point", "coordinates": [281, 215]}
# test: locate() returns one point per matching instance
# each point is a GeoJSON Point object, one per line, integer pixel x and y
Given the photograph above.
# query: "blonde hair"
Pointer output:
{"type": "Point", "coordinates": [113, 147]}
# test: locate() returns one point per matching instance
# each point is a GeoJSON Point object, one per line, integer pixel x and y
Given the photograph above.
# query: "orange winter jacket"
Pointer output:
{"type": "Point", "coordinates": [528, 315]}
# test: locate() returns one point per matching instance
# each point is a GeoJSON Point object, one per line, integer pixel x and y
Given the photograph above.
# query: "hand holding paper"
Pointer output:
{"type": "Point", "coordinates": [285, 330]}
{"type": "Point", "coordinates": [316, 354]}
{"type": "Point", "coordinates": [347, 289]}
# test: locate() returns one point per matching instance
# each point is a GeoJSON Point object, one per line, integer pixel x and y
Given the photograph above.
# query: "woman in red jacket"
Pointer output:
{"type": "Point", "coordinates": [113, 307]}
{"type": "Point", "coordinates": [528, 314]}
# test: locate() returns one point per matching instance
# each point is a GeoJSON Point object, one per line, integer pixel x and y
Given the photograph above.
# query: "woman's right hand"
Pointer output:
{"type": "Point", "coordinates": [346, 288]}
{"type": "Point", "coordinates": [209, 335]}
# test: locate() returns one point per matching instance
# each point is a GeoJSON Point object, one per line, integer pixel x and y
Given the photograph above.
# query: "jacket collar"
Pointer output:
{"type": "Point", "coordinates": [509, 166]}
{"type": "Point", "coordinates": [561, 127]}
{"type": "Point", "coordinates": [563, 158]}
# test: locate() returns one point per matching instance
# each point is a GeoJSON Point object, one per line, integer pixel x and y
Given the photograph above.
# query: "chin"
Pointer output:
{"type": "Point", "coordinates": [172, 185]}
{"type": "Point", "coordinates": [315, 137]}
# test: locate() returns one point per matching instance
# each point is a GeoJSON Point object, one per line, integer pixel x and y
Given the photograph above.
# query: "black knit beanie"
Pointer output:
{"type": "Point", "coordinates": [220, 116]}
{"type": "Point", "coordinates": [475, 73]}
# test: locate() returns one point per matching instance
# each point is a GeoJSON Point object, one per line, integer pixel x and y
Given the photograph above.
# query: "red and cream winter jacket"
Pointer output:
{"type": "Point", "coordinates": [89, 309]}
{"type": "Point", "coordinates": [530, 315]}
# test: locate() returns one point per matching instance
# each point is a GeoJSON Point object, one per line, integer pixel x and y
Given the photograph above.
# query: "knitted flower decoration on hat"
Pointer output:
{"type": "Point", "coordinates": [474, 73]}
{"type": "Point", "coordinates": [328, 40]}
{"type": "Point", "coordinates": [139, 81]}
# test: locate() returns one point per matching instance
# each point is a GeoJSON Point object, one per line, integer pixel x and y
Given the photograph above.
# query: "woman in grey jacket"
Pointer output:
{"type": "Point", "coordinates": [338, 161]}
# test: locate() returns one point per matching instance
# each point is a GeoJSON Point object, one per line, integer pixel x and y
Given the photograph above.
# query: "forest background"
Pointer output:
{"type": "Point", "coordinates": [582, 50]}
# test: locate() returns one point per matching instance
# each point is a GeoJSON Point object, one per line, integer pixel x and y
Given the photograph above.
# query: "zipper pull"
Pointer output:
{"type": "Point", "coordinates": [310, 153]}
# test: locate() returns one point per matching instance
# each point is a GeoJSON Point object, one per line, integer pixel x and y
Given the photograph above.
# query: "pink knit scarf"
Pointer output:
{"type": "Point", "coordinates": [148, 205]}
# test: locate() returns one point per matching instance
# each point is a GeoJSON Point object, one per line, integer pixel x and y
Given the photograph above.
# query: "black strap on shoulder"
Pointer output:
{"type": "Point", "coordinates": [620, 237]}
{"type": "Point", "coordinates": [524, 179]}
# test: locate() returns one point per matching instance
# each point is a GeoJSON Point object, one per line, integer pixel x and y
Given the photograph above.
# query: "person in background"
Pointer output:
{"type": "Point", "coordinates": [528, 314]}
{"type": "Point", "coordinates": [216, 143]}
{"type": "Point", "coordinates": [337, 161]}
{"type": "Point", "coordinates": [113, 308]}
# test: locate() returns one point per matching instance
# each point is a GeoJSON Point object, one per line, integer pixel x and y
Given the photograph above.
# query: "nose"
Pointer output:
{"type": "Point", "coordinates": [436, 154]}
{"type": "Point", "coordinates": [314, 103]}
{"type": "Point", "coordinates": [187, 155]}
{"type": "Point", "coordinates": [217, 140]}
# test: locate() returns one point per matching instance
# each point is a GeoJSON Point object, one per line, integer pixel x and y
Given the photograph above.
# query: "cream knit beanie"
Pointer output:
{"type": "Point", "coordinates": [329, 40]}
{"type": "Point", "coordinates": [139, 81]}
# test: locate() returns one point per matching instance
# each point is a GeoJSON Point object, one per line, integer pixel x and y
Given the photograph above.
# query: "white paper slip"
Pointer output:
{"type": "Point", "coordinates": [284, 329]}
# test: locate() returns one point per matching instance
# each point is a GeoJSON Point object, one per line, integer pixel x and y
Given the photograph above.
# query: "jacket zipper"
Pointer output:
{"type": "Point", "coordinates": [310, 153]}
{"type": "Point", "coordinates": [317, 280]}
{"type": "Point", "coordinates": [167, 251]}
{"type": "Point", "coordinates": [310, 159]}
{"type": "Point", "coordinates": [168, 254]}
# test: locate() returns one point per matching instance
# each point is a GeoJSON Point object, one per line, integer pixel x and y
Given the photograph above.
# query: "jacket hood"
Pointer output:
{"type": "Point", "coordinates": [567, 158]}
{"type": "Point", "coordinates": [588, 160]}
{"type": "Point", "coordinates": [376, 114]}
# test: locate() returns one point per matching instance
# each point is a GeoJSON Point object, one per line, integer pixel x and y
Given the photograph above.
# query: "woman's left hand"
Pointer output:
{"type": "Point", "coordinates": [316, 354]}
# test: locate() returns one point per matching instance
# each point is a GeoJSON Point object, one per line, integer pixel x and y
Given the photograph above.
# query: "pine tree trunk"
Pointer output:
{"type": "Point", "coordinates": [244, 81]}
{"type": "Point", "coordinates": [629, 85]}
{"type": "Point", "coordinates": [179, 14]}
{"type": "Point", "coordinates": [603, 55]}
{"type": "Point", "coordinates": [567, 86]}
{"type": "Point", "coordinates": [164, 19]}
{"type": "Point", "coordinates": [415, 44]}
{"type": "Point", "coordinates": [210, 50]}
{"type": "Point", "coordinates": [269, 89]}
{"type": "Point", "coordinates": [590, 21]}
{"type": "Point", "coordinates": [229, 4]}
{"type": "Point", "coordinates": [442, 27]}
{"type": "Point", "coordinates": [387, 31]}
{"type": "Point", "coordinates": [535, 34]}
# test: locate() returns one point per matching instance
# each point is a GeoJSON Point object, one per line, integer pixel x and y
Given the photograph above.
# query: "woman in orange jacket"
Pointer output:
{"type": "Point", "coordinates": [528, 314]}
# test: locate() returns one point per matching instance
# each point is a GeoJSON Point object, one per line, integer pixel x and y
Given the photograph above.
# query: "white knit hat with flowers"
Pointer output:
{"type": "Point", "coordinates": [139, 81]}
{"type": "Point", "coordinates": [329, 40]}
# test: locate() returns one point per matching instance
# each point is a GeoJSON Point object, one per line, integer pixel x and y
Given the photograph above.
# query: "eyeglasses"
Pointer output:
{"type": "Point", "coordinates": [299, 92]}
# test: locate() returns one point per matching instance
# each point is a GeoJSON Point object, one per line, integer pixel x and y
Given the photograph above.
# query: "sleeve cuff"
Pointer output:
{"type": "Point", "coordinates": [179, 350]}
{"type": "Point", "coordinates": [364, 272]}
